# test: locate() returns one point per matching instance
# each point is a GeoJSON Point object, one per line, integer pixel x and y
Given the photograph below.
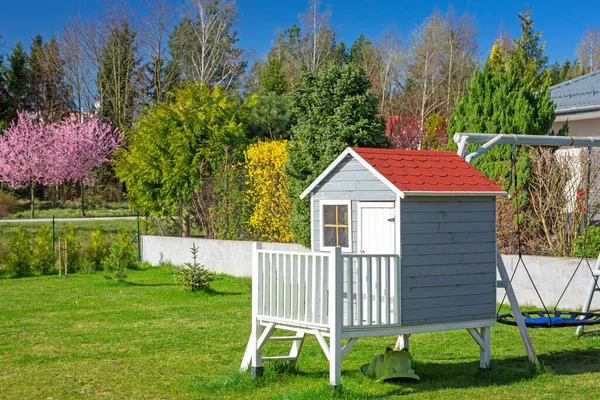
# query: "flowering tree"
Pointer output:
{"type": "Point", "coordinates": [32, 152]}
{"type": "Point", "coordinates": [25, 154]}
{"type": "Point", "coordinates": [79, 147]}
{"type": "Point", "coordinates": [407, 133]}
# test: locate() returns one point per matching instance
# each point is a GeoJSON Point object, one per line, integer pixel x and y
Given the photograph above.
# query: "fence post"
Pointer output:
{"type": "Point", "coordinates": [53, 246]}
{"type": "Point", "coordinates": [336, 315]}
{"type": "Point", "coordinates": [256, 367]}
{"type": "Point", "coordinates": [139, 242]}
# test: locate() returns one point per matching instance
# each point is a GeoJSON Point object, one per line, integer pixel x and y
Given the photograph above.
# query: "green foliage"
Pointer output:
{"type": "Point", "coordinates": [120, 258]}
{"type": "Point", "coordinates": [193, 276]}
{"type": "Point", "coordinates": [176, 144]}
{"type": "Point", "coordinates": [434, 132]}
{"type": "Point", "coordinates": [228, 219]}
{"type": "Point", "coordinates": [528, 54]}
{"type": "Point", "coordinates": [18, 258]}
{"type": "Point", "coordinates": [334, 110]}
{"type": "Point", "coordinates": [97, 251]}
{"type": "Point", "coordinates": [43, 258]}
{"type": "Point", "coordinates": [590, 243]}
{"type": "Point", "coordinates": [73, 249]}
{"type": "Point", "coordinates": [271, 78]}
{"type": "Point", "coordinates": [271, 118]}
{"type": "Point", "coordinates": [8, 204]}
{"type": "Point", "coordinates": [500, 101]}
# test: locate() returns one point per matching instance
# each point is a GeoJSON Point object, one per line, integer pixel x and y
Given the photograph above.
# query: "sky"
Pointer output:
{"type": "Point", "coordinates": [561, 22]}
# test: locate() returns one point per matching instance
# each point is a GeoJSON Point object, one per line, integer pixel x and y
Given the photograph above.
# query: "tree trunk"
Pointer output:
{"type": "Point", "coordinates": [82, 199]}
{"type": "Point", "coordinates": [32, 199]}
{"type": "Point", "coordinates": [185, 226]}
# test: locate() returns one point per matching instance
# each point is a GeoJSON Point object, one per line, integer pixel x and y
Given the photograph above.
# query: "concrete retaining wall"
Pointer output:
{"type": "Point", "coordinates": [550, 275]}
{"type": "Point", "coordinates": [231, 257]}
{"type": "Point", "coordinates": [235, 258]}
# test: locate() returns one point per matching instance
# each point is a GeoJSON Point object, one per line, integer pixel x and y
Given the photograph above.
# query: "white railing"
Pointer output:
{"type": "Point", "coordinates": [371, 289]}
{"type": "Point", "coordinates": [327, 289]}
{"type": "Point", "coordinates": [292, 285]}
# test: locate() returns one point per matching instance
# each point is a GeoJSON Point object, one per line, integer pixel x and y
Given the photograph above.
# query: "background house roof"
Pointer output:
{"type": "Point", "coordinates": [577, 95]}
{"type": "Point", "coordinates": [428, 171]}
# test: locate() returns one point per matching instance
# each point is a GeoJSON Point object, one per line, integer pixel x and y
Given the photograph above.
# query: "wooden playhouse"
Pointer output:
{"type": "Point", "coordinates": [402, 242]}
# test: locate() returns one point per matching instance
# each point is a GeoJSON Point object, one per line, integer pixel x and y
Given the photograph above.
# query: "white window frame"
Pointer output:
{"type": "Point", "coordinates": [347, 203]}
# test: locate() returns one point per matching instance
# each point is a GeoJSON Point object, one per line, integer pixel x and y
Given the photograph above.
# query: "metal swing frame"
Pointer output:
{"type": "Point", "coordinates": [487, 142]}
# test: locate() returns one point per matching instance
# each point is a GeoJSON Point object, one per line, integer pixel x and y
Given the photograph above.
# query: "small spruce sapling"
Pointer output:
{"type": "Point", "coordinates": [73, 250]}
{"type": "Point", "coordinates": [43, 258]}
{"type": "Point", "coordinates": [193, 276]}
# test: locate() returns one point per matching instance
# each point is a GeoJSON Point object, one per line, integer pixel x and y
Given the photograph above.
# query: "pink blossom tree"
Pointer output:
{"type": "Point", "coordinates": [34, 153]}
{"type": "Point", "coordinates": [80, 147]}
{"type": "Point", "coordinates": [26, 155]}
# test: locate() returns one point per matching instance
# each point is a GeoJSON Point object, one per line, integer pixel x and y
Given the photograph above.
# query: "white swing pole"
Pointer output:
{"type": "Point", "coordinates": [464, 139]}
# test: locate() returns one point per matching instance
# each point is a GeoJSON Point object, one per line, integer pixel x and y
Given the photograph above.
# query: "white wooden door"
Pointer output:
{"type": "Point", "coordinates": [377, 235]}
{"type": "Point", "coordinates": [377, 232]}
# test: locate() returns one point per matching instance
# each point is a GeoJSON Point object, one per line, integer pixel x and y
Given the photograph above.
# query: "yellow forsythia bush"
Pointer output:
{"type": "Point", "coordinates": [270, 219]}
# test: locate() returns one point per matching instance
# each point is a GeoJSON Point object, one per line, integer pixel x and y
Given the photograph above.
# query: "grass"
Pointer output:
{"type": "Point", "coordinates": [85, 336]}
{"type": "Point", "coordinates": [71, 209]}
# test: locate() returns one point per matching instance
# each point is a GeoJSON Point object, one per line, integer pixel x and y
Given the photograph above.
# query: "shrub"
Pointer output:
{"type": "Point", "coordinates": [593, 243]}
{"type": "Point", "coordinates": [43, 258]}
{"type": "Point", "coordinates": [97, 251]}
{"type": "Point", "coordinates": [193, 276]}
{"type": "Point", "coordinates": [8, 204]}
{"type": "Point", "coordinates": [73, 250]}
{"type": "Point", "coordinates": [19, 254]}
{"type": "Point", "coordinates": [120, 258]}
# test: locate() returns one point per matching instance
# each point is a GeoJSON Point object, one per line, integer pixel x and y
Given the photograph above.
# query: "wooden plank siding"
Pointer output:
{"type": "Point", "coordinates": [448, 259]}
{"type": "Point", "coordinates": [348, 181]}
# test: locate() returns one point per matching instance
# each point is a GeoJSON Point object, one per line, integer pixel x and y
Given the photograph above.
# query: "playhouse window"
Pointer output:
{"type": "Point", "coordinates": [335, 225]}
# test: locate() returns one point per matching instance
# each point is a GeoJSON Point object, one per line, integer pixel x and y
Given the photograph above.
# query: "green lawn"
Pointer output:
{"type": "Point", "coordinates": [144, 338]}
{"type": "Point", "coordinates": [71, 209]}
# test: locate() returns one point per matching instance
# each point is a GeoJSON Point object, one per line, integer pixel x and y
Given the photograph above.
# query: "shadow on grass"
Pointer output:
{"type": "Point", "coordinates": [434, 377]}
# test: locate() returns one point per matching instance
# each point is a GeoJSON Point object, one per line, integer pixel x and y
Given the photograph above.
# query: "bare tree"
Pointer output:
{"type": "Point", "coordinates": [389, 72]}
{"type": "Point", "coordinates": [203, 44]}
{"type": "Point", "coordinates": [318, 42]}
{"type": "Point", "coordinates": [159, 72]}
{"type": "Point", "coordinates": [79, 67]}
{"type": "Point", "coordinates": [588, 50]}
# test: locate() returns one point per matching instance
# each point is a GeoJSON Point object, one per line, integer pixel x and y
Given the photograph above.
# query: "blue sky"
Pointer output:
{"type": "Point", "coordinates": [561, 22]}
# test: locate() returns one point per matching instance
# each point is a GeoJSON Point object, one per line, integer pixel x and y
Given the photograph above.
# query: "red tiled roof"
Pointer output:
{"type": "Point", "coordinates": [427, 171]}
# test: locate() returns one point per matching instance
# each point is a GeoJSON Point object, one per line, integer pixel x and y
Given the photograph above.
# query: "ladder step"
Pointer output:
{"type": "Point", "coordinates": [280, 358]}
{"type": "Point", "coordinates": [285, 338]}
{"type": "Point", "coordinates": [500, 284]}
{"type": "Point", "coordinates": [596, 273]}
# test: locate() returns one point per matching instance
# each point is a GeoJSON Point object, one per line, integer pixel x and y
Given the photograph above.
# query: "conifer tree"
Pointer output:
{"type": "Point", "coordinates": [334, 110]}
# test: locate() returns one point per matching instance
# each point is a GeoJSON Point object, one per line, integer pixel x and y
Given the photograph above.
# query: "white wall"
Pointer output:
{"type": "Point", "coordinates": [231, 257]}
{"type": "Point", "coordinates": [579, 127]}
{"type": "Point", "coordinates": [550, 275]}
{"type": "Point", "coordinates": [235, 258]}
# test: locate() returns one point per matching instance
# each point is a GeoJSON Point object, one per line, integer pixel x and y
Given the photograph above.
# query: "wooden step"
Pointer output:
{"type": "Point", "coordinates": [285, 338]}
{"type": "Point", "coordinates": [596, 272]}
{"type": "Point", "coordinates": [280, 358]}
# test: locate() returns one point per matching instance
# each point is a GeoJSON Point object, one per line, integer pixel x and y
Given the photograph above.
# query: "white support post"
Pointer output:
{"type": "Point", "coordinates": [512, 298]}
{"type": "Point", "coordinates": [336, 315]}
{"type": "Point", "coordinates": [402, 343]}
{"type": "Point", "coordinates": [256, 368]}
{"type": "Point", "coordinates": [462, 146]}
{"type": "Point", "coordinates": [485, 353]}
{"type": "Point", "coordinates": [590, 295]}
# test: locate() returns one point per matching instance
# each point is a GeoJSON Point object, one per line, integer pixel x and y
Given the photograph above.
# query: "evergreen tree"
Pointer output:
{"type": "Point", "coordinates": [271, 78]}
{"type": "Point", "coordinates": [17, 80]}
{"type": "Point", "coordinates": [4, 102]}
{"type": "Point", "coordinates": [528, 54]}
{"type": "Point", "coordinates": [500, 101]}
{"type": "Point", "coordinates": [334, 110]}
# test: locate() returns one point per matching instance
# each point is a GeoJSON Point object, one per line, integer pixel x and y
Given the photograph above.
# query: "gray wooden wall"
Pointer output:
{"type": "Point", "coordinates": [348, 181]}
{"type": "Point", "coordinates": [448, 249]}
